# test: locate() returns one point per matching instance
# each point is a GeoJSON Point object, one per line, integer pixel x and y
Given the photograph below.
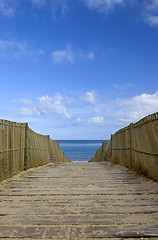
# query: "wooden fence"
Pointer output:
{"type": "Point", "coordinates": [101, 152]}
{"type": "Point", "coordinates": [21, 148]}
{"type": "Point", "coordinates": [135, 147]}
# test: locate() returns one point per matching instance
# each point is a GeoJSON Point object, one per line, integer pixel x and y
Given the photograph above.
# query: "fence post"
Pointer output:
{"type": "Point", "coordinates": [11, 132]}
{"type": "Point", "coordinates": [1, 147]}
{"type": "Point", "coordinates": [111, 144]}
{"type": "Point", "coordinates": [25, 151]}
{"type": "Point", "coordinates": [131, 143]}
{"type": "Point", "coordinates": [49, 148]}
{"type": "Point", "coordinates": [102, 152]}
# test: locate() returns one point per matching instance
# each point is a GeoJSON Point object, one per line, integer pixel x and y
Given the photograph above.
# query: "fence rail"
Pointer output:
{"type": "Point", "coordinates": [22, 148]}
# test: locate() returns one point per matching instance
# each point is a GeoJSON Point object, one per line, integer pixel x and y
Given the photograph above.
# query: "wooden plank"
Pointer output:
{"type": "Point", "coordinates": [78, 231]}
{"type": "Point", "coordinates": [78, 201]}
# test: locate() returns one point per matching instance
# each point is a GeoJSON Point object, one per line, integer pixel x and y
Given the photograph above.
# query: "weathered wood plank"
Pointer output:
{"type": "Point", "coordinates": [78, 201]}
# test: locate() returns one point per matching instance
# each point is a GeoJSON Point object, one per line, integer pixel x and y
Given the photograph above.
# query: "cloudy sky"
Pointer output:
{"type": "Point", "coordinates": [78, 69]}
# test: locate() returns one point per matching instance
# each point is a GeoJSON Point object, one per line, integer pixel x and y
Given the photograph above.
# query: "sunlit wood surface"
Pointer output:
{"type": "Point", "coordinates": [78, 201]}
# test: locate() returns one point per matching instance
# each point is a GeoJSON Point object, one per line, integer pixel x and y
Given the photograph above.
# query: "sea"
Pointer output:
{"type": "Point", "coordinates": [80, 150]}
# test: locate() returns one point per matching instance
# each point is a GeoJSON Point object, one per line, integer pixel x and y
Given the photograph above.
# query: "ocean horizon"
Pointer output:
{"type": "Point", "coordinates": [80, 150]}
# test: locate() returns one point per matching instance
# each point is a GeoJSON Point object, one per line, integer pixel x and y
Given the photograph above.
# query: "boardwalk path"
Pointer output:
{"type": "Point", "coordinates": [78, 201]}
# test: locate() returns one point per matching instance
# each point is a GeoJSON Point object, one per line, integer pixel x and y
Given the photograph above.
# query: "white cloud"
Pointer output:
{"type": "Point", "coordinates": [8, 7]}
{"type": "Point", "coordinates": [143, 101]}
{"type": "Point", "coordinates": [150, 12]}
{"type": "Point", "coordinates": [80, 121]}
{"type": "Point", "coordinates": [18, 49]}
{"type": "Point", "coordinates": [69, 55]}
{"type": "Point", "coordinates": [43, 106]}
{"type": "Point", "coordinates": [60, 5]}
{"type": "Point", "coordinates": [22, 101]}
{"type": "Point", "coordinates": [53, 105]}
{"type": "Point", "coordinates": [90, 55]}
{"type": "Point", "coordinates": [123, 86]}
{"type": "Point", "coordinates": [85, 55]}
{"type": "Point", "coordinates": [97, 120]}
{"type": "Point", "coordinates": [117, 112]}
{"type": "Point", "coordinates": [25, 111]}
{"type": "Point", "coordinates": [132, 109]}
{"type": "Point", "coordinates": [29, 111]}
{"type": "Point", "coordinates": [89, 97]}
{"type": "Point", "coordinates": [102, 5]}
{"type": "Point", "coordinates": [62, 56]}
{"type": "Point", "coordinates": [152, 20]}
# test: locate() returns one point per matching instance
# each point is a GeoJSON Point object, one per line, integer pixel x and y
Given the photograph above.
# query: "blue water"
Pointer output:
{"type": "Point", "coordinates": [80, 150]}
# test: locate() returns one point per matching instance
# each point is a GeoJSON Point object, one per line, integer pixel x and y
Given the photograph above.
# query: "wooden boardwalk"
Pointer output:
{"type": "Point", "coordinates": [78, 201]}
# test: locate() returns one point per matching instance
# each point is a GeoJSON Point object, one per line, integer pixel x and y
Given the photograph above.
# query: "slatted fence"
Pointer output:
{"type": "Point", "coordinates": [22, 148]}
{"type": "Point", "coordinates": [135, 147]}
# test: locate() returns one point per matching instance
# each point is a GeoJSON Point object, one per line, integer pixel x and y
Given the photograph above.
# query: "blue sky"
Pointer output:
{"type": "Point", "coordinates": [78, 69]}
